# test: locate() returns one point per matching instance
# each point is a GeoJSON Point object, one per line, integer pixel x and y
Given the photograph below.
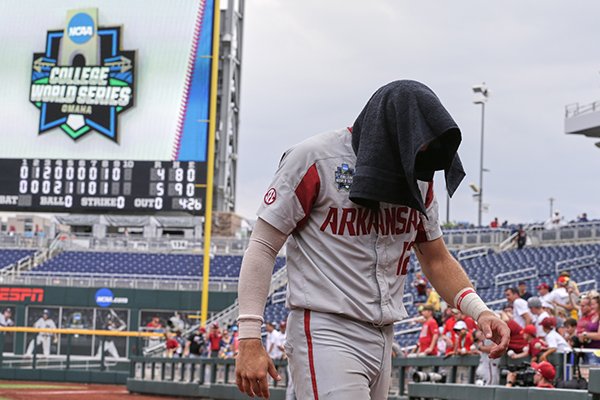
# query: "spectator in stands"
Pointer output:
{"type": "Point", "coordinates": [539, 314]}
{"type": "Point", "coordinates": [517, 341]}
{"type": "Point", "coordinates": [533, 347]}
{"type": "Point", "coordinates": [570, 331]}
{"type": "Point", "coordinates": [525, 295]}
{"type": "Point", "coordinates": [463, 339]}
{"type": "Point", "coordinates": [590, 336]}
{"type": "Point", "coordinates": [434, 300]}
{"type": "Point", "coordinates": [521, 314]}
{"type": "Point", "coordinates": [420, 284]}
{"type": "Point", "coordinates": [225, 351]}
{"type": "Point", "coordinates": [556, 343]}
{"type": "Point", "coordinates": [447, 331]}
{"type": "Point", "coordinates": [429, 335]}
{"type": "Point", "coordinates": [214, 340]}
{"type": "Point", "coordinates": [171, 344]}
{"type": "Point", "coordinates": [582, 218]}
{"type": "Point", "coordinates": [494, 223]}
{"type": "Point", "coordinates": [273, 342]}
{"type": "Point", "coordinates": [588, 315]}
{"type": "Point", "coordinates": [235, 340]}
{"type": "Point", "coordinates": [543, 378]}
{"type": "Point", "coordinates": [544, 294]}
{"type": "Point", "coordinates": [555, 222]}
{"type": "Point", "coordinates": [565, 296]}
{"type": "Point", "coordinates": [521, 238]}
{"type": "Point", "coordinates": [6, 317]}
{"type": "Point", "coordinates": [195, 345]}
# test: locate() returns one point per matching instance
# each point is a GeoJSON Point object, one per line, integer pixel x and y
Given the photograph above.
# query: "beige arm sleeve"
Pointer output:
{"type": "Point", "coordinates": [255, 277]}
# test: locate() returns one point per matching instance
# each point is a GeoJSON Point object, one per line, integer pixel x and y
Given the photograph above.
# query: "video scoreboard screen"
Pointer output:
{"type": "Point", "coordinates": [105, 109]}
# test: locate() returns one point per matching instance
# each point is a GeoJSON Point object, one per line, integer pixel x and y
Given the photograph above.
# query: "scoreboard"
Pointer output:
{"type": "Point", "coordinates": [80, 186]}
{"type": "Point", "coordinates": [106, 109]}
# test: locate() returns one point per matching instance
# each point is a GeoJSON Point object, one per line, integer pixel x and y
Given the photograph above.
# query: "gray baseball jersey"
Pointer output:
{"type": "Point", "coordinates": [342, 258]}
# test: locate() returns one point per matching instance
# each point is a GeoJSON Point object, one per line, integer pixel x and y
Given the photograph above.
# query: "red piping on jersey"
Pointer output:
{"type": "Point", "coordinates": [421, 234]}
{"type": "Point", "coordinates": [307, 191]}
{"type": "Point", "coordinates": [311, 360]}
{"type": "Point", "coordinates": [429, 196]}
{"type": "Point", "coordinates": [462, 296]}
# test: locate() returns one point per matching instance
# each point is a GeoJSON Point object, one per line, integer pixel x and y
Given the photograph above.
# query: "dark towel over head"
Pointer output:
{"type": "Point", "coordinates": [400, 119]}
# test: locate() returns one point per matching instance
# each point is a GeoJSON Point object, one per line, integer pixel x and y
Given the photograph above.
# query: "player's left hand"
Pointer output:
{"type": "Point", "coordinates": [496, 330]}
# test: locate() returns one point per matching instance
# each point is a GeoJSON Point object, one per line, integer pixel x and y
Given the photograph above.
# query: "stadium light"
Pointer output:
{"type": "Point", "coordinates": [481, 95]}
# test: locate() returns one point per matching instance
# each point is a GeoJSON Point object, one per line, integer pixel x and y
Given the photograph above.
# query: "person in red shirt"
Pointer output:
{"type": "Point", "coordinates": [214, 340]}
{"type": "Point", "coordinates": [517, 341]}
{"type": "Point", "coordinates": [429, 333]}
{"type": "Point", "coordinates": [471, 325]}
{"type": "Point", "coordinates": [463, 339]}
{"type": "Point", "coordinates": [533, 347]}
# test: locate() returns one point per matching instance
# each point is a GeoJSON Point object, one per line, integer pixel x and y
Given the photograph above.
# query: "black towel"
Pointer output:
{"type": "Point", "coordinates": [400, 119]}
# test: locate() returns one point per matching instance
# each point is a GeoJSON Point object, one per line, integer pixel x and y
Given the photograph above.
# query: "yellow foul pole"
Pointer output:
{"type": "Point", "coordinates": [212, 126]}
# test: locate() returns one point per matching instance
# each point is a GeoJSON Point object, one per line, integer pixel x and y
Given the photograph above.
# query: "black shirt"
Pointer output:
{"type": "Point", "coordinates": [197, 343]}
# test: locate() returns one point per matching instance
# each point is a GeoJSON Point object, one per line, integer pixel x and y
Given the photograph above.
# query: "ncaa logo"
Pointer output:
{"type": "Point", "coordinates": [104, 297]}
{"type": "Point", "coordinates": [81, 28]}
{"type": "Point", "coordinates": [270, 196]}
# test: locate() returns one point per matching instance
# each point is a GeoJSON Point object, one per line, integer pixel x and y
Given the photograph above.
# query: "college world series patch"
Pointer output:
{"type": "Point", "coordinates": [343, 177]}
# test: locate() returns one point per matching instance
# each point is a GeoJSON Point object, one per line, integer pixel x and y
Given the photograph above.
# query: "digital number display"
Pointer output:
{"type": "Point", "coordinates": [96, 186]}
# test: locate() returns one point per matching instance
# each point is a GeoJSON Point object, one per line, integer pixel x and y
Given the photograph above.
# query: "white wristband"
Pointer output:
{"type": "Point", "coordinates": [250, 326]}
{"type": "Point", "coordinates": [469, 302]}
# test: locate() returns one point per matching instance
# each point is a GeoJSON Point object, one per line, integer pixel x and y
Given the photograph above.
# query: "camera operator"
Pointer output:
{"type": "Point", "coordinates": [543, 377]}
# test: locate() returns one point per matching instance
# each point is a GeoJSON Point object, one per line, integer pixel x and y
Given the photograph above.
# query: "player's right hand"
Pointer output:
{"type": "Point", "coordinates": [252, 366]}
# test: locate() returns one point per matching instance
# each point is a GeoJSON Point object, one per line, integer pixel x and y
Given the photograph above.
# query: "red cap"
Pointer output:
{"type": "Point", "coordinates": [202, 330]}
{"type": "Point", "coordinates": [543, 286]}
{"type": "Point", "coordinates": [546, 369]}
{"type": "Point", "coordinates": [563, 280]}
{"type": "Point", "coordinates": [530, 330]}
{"type": "Point", "coordinates": [549, 322]}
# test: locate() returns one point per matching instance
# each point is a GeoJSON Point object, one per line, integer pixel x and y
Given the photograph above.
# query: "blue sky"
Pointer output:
{"type": "Point", "coordinates": [310, 66]}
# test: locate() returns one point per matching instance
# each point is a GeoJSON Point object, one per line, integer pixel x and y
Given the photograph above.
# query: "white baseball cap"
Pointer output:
{"type": "Point", "coordinates": [460, 325]}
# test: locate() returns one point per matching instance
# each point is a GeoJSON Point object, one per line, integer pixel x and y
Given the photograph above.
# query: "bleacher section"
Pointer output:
{"type": "Point", "coordinates": [11, 256]}
{"type": "Point", "coordinates": [165, 264]}
{"type": "Point", "coordinates": [532, 264]}
{"type": "Point", "coordinates": [485, 269]}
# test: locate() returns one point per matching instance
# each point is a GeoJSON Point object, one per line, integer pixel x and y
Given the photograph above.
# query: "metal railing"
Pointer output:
{"type": "Point", "coordinates": [212, 374]}
{"type": "Point", "coordinates": [515, 276]}
{"type": "Point", "coordinates": [474, 252]}
{"type": "Point", "coordinates": [576, 109]}
{"type": "Point", "coordinates": [129, 281]}
{"type": "Point", "coordinates": [589, 260]}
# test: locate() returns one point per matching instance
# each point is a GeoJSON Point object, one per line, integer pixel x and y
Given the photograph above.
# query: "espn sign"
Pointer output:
{"type": "Point", "coordinates": [21, 294]}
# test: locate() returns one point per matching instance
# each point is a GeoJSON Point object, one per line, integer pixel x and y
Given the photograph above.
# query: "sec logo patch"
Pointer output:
{"type": "Point", "coordinates": [270, 196]}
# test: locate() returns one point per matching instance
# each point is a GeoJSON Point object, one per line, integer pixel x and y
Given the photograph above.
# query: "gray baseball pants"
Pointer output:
{"type": "Point", "coordinates": [334, 357]}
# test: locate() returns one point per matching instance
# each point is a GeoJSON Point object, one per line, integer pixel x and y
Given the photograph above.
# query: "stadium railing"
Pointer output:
{"type": "Point", "coordinates": [215, 378]}
{"type": "Point", "coordinates": [128, 281]}
{"type": "Point", "coordinates": [66, 366]}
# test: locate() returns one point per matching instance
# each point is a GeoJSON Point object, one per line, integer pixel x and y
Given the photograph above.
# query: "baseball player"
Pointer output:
{"type": "Point", "coordinates": [352, 204]}
{"type": "Point", "coordinates": [43, 338]}
{"type": "Point", "coordinates": [113, 323]}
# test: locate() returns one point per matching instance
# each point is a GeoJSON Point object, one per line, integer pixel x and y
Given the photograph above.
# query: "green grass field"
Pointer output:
{"type": "Point", "coordinates": [13, 386]}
